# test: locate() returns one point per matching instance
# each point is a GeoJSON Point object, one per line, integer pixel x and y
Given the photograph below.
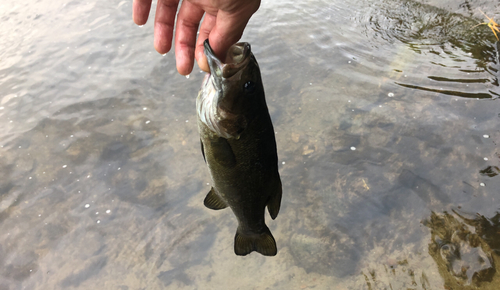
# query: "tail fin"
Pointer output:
{"type": "Point", "coordinates": [263, 243]}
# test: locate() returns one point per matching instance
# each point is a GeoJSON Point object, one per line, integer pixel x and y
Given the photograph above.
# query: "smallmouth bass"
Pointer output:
{"type": "Point", "coordinates": [239, 147]}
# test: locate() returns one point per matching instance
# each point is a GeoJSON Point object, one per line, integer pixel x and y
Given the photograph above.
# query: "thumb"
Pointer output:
{"type": "Point", "coordinates": [223, 34]}
{"type": "Point", "coordinates": [229, 27]}
{"type": "Point", "coordinates": [226, 32]}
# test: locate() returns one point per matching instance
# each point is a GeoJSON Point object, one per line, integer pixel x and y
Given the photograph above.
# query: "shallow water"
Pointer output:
{"type": "Point", "coordinates": [386, 116]}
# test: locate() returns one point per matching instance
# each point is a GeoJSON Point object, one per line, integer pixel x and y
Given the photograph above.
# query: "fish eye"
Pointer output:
{"type": "Point", "coordinates": [249, 87]}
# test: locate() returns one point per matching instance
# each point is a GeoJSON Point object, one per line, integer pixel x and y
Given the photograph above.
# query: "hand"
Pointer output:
{"type": "Point", "coordinates": [223, 25]}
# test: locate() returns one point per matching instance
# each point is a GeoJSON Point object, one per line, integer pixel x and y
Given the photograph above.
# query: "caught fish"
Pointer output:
{"type": "Point", "coordinates": [238, 144]}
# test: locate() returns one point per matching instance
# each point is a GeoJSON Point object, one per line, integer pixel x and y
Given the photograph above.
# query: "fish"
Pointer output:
{"type": "Point", "coordinates": [239, 146]}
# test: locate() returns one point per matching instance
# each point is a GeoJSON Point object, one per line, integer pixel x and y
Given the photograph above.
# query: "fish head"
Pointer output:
{"type": "Point", "coordinates": [232, 92]}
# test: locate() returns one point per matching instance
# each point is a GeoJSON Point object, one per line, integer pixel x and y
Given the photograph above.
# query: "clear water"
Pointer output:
{"type": "Point", "coordinates": [386, 116]}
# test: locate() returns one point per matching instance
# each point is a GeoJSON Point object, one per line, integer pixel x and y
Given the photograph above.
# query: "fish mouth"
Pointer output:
{"type": "Point", "coordinates": [237, 58]}
{"type": "Point", "coordinates": [215, 104]}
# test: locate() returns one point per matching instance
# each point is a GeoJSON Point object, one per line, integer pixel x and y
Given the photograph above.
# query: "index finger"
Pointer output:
{"type": "Point", "coordinates": [140, 11]}
{"type": "Point", "coordinates": [206, 26]}
{"type": "Point", "coordinates": [188, 20]}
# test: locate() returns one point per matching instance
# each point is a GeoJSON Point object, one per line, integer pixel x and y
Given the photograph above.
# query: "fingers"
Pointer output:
{"type": "Point", "coordinates": [223, 27]}
{"type": "Point", "coordinates": [164, 24]}
{"type": "Point", "coordinates": [206, 26]}
{"type": "Point", "coordinates": [188, 20]}
{"type": "Point", "coordinates": [140, 11]}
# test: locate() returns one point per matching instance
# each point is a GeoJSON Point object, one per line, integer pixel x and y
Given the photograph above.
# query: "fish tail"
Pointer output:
{"type": "Point", "coordinates": [263, 243]}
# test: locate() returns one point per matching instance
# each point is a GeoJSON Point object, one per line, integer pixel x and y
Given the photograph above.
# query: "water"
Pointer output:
{"type": "Point", "coordinates": [380, 108]}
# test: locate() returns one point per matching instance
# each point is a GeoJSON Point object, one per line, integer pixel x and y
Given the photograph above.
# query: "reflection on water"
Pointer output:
{"type": "Point", "coordinates": [466, 250]}
{"type": "Point", "coordinates": [450, 37]}
{"type": "Point", "coordinates": [102, 183]}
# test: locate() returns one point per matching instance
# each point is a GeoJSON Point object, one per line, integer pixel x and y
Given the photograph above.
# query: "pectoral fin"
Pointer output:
{"type": "Point", "coordinates": [222, 152]}
{"type": "Point", "coordinates": [213, 201]}
{"type": "Point", "coordinates": [274, 203]}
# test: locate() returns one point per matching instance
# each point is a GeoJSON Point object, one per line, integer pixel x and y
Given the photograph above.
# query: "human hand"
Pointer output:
{"type": "Point", "coordinates": [223, 25]}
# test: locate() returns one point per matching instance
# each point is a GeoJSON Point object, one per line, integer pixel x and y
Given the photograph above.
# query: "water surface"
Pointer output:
{"type": "Point", "coordinates": [386, 116]}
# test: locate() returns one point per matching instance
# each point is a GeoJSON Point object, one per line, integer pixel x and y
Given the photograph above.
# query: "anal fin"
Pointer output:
{"type": "Point", "coordinates": [213, 201]}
